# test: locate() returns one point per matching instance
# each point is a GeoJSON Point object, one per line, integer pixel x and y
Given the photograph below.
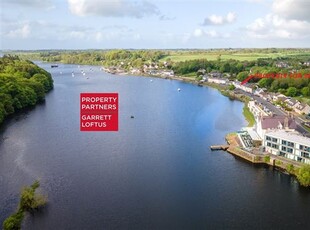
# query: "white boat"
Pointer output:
{"type": "Point", "coordinates": [179, 89]}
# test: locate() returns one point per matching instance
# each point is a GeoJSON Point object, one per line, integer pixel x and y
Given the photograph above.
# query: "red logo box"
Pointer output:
{"type": "Point", "coordinates": [99, 111]}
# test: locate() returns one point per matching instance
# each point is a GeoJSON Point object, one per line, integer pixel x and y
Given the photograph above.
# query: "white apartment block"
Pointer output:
{"type": "Point", "coordinates": [288, 144]}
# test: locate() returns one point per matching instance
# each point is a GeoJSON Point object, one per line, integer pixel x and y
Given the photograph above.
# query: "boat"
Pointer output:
{"type": "Point", "coordinates": [179, 89]}
{"type": "Point", "coordinates": [54, 66]}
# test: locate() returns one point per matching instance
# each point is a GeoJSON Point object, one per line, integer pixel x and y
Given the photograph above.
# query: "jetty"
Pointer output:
{"type": "Point", "coordinates": [219, 147]}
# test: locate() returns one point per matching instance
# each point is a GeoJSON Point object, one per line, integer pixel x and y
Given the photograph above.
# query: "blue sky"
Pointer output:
{"type": "Point", "coordinates": [154, 24]}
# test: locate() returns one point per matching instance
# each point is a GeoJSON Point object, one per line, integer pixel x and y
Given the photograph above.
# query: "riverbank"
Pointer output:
{"type": "Point", "coordinates": [256, 157]}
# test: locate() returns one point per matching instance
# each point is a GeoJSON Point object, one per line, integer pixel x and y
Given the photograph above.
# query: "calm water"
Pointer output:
{"type": "Point", "coordinates": [156, 172]}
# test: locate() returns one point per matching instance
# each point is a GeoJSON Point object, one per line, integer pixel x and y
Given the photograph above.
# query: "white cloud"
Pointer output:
{"type": "Point", "coordinates": [274, 26]}
{"type": "Point", "coordinates": [77, 34]}
{"type": "Point", "coordinates": [112, 8]}
{"type": "Point", "coordinates": [220, 20]}
{"type": "Point", "coordinates": [292, 9]}
{"type": "Point", "coordinates": [30, 3]}
{"type": "Point", "coordinates": [198, 33]}
{"type": "Point", "coordinates": [21, 32]}
{"type": "Point", "coordinates": [289, 19]}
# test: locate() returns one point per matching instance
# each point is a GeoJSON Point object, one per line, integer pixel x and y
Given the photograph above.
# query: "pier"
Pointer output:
{"type": "Point", "coordinates": [219, 147]}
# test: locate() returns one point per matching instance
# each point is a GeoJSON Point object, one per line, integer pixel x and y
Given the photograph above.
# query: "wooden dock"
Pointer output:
{"type": "Point", "coordinates": [219, 147]}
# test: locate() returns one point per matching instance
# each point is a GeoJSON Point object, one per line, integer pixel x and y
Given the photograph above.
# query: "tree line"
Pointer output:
{"type": "Point", "coordinates": [240, 70]}
{"type": "Point", "coordinates": [22, 84]}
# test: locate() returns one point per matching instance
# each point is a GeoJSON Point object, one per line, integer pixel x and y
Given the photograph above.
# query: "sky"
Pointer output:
{"type": "Point", "coordinates": [154, 24]}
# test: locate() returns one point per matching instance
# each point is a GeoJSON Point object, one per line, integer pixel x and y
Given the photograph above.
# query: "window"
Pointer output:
{"type": "Point", "coordinates": [289, 150]}
{"type": "Point", "coordinates": [300, 159]}
{"type": "Point", "coordinates": [268, 144]}
{"type": "Point", "coordinates": [283, 148]}
{"type": "Point", "coordinates": [282, 154]}
{"type": "Point", "coordinates": [304, 154]}
{"type": "Point", "coordinates": [288, 143]}
{"type": "Point", "coordinates": [304, 148]}
{"type": "Point", "coordinates": [291, 144]}
{"type": "Point", "coordinates": [274, 146]}
{"type": "Point", "coordinates": [268, 138]}
{"type": "Point", "coordinates": [274, 140]}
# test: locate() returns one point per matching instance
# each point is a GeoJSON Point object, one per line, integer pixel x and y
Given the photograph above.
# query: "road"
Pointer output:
{"type": "Point", "coordinates": [278, 111]}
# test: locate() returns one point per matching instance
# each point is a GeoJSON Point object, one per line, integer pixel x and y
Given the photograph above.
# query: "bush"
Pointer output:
{"type": "Point", "coordinates": [303, 175]}
{"type": "Point", "coordinates": [267, 159]}
{"type": "Point", "coordinates": [231, 87]}
{"type": "Point", "coordinates": [278, 162]}
{"type": "Point", "coordinates": [290, 168]}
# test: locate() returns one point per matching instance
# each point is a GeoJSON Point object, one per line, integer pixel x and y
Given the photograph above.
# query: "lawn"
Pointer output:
{"type": "Point", "coordinates": [248, 116]}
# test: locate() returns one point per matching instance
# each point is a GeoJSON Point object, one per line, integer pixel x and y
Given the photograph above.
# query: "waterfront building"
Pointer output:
{"type": "Point", "coordinates": [217, 80]}
{"type": "Point", "coordinates": [288, 144]}
{"type": "Point", "coordinates": [245, 87]}
{"type": "Point", "coordinates": [275, 122]}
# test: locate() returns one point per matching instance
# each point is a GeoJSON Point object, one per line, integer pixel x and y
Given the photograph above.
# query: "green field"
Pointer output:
{"type": "Point", "coordinates": [178, 56]}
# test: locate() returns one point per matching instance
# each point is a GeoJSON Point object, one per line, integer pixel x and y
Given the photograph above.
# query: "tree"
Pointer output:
{"type": "Point", "coordinates": [303, 175]}
{"type": "Point", "coordinates": [305, 91]}
{"type": "Point", "coordinates": [242, 75]}
{"type": "Point", "coordinates": [291, 92]}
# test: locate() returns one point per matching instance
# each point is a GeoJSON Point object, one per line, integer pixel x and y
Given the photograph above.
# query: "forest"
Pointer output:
{"type": "Point", "coordinates": [22, 84]}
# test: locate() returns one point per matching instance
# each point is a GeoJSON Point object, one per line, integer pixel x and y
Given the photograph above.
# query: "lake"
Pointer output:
{"type": "Point", "coordinates": [156, 172]}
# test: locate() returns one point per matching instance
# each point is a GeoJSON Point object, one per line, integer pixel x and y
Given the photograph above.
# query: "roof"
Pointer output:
{"type": "Point", "coordinates": [252, 133]}
{"type": "Point", "coordinates": [292, 101]}
{"type": "Point", "coordinates": [272, 122]}
{"type": "Point", "coordinates": [290, 136]}
{"type": "Point", "coordinates": [302, 106]}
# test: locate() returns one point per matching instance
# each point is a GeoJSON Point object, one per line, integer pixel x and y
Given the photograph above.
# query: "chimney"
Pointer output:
{"type": "Point", "coordinates": [286, 122]}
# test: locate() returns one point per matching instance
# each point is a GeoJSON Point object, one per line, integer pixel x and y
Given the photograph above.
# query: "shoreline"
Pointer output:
{"type": "Point", "coordinates": [283, 164]}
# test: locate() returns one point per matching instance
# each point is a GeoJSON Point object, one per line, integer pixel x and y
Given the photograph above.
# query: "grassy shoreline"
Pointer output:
{"type": "Point", "coordinates": [248, 115]}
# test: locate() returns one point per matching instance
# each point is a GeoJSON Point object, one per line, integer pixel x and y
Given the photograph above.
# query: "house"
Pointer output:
{"type": "Point", "coordinates": [245, 87]}
{"type": "Point", "coordinates": [258, 91]}
{"type": "Point", "coordinates": [217, 80]}
{"type": "Point", "coordinates": [282, 64]}
{"type": "Point", "coordinates": [288, 144]}
{"type": "Point", "coordinates": [302, 108]}
{"type": "Point", "coordinates": [275, 122]}
{"type": "Point", "coordinates": [279, 97]}
{"type": "Point", "coordinates": [256, 109]}
{"type": "Point", "coordinates": [265, 96]}
{"type": "Point", "coordinates": [167, 73]}
{"type": "Point", "coordinates": [216, 74]}
{"type": "Point", "coordinates": [307, 63]}
{"type": "Point", "coordinates": [292, 103]}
